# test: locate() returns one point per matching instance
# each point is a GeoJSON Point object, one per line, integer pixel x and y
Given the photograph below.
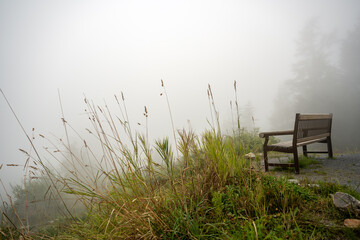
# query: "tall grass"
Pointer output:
{"type": "Point", "coordinates": [136, 190]}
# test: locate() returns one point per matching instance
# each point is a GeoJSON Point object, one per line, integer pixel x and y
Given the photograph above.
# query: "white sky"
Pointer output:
{"type": "Point", "coordinates": [100, 48]}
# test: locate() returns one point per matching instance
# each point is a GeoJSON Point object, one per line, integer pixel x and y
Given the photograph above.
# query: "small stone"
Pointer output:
{"type": "Point", "coordinates": [250, 155]}
{"type": "Point", "coordinates": [314, 185]}
{"type": "Point", "coordinates": [328, 223]}
{"type": "Point", "coordinates": [294, 181]}
{"type": "Point", "coordinates": [352, 223]}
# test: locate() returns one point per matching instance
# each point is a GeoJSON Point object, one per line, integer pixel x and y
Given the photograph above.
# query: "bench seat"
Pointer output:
{"type": "Point", "coordinates": [308, 129]}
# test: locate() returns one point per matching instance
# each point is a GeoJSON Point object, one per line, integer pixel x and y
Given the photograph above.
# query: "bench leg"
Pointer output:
{"type": "Point", "coordinates": [329, 146]}
{"type": "Point", "coordinates": [265, 154]}
{"type": "Point", "coordinates": [305, 150]}
{"type": "Point", "coordinates": [266, 160]}
{"type": "Point", "coordinates": [296, 161]}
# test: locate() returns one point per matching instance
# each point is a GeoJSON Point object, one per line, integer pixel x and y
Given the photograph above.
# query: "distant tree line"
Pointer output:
{"type": "Point", "coordinates": [324, 82]}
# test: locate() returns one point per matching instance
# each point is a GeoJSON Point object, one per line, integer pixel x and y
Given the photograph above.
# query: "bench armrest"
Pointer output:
{"type": "Point", "coordinates": [276, 133]}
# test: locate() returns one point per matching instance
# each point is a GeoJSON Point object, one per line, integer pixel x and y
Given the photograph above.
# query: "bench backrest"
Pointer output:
{"type": "Point", "coordinates": [311, 127]}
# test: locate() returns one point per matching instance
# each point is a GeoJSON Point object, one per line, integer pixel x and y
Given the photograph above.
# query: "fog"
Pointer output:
{"type": "Point", "coordinates": [102, 48]}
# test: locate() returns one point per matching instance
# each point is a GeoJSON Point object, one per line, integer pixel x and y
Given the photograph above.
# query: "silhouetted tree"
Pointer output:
{"type": "Point", "coordinates": [320, 87]}
{"type": "Point", "coordinates": [314, 81]}
{"type": "Point", "coordinates": [348, 103]}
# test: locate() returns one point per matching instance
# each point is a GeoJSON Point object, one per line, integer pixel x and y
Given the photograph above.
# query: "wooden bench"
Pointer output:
{"type": "Point", "coordinates": [308, 129]}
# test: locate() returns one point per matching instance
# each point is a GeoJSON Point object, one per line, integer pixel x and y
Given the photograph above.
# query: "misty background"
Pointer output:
{"type": "Point", "coordinates": [286, 56]}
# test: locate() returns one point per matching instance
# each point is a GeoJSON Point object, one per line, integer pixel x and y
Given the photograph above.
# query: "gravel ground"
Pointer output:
{"type": "Point", "coordinates": [343, 169]}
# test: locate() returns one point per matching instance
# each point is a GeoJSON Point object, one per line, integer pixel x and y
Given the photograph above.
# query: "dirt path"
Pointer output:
{"type": "Point", "coordinates": [343, 169]}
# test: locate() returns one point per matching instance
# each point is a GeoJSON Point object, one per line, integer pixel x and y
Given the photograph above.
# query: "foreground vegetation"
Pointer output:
{"type": "Point", "coordinates": [199, 187]}
{"type": "Point", "coordinates": [212, 192]}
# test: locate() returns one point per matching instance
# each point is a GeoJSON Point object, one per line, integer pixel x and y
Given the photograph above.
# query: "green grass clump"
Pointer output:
{"type": "Point", "coordinates": [306, 162]}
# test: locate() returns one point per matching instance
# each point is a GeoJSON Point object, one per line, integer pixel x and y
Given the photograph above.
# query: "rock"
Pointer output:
{"type": "Point", "coordinates": [250, 155]}
{"type": "Point", "coordinates": [352, 223]}
{"type": "Point", "coordinates": [347, 203]}
{"type": "Point", "coordinates": [314, 185]}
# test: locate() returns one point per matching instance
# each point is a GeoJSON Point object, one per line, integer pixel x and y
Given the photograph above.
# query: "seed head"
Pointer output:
{"type": "Point", "coordinates": [12, 165]}
{"type": "Point", "coordinates": [35, 168]}
{"type": "Point", "coordinates": [23, 151]}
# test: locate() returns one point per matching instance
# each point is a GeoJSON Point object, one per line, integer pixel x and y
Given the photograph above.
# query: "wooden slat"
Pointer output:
{"type": "Point", "coordinates": [276, 133]}
{"type": "Point", "coordinates": [309, 142]}
{"type": "Point", "coordinates": [319, 137]}
{"type": "Point", "coordinates": [315, 116]}
{"type": "Point", "coordinates": [312, 128]}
